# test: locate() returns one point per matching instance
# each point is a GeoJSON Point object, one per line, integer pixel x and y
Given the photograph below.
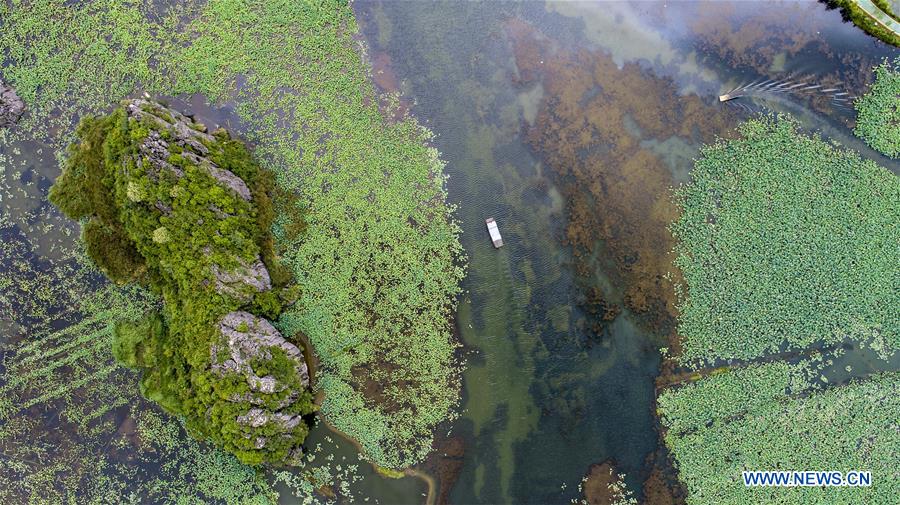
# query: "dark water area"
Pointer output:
{"type": "Point", "coordinates": [563, 325]}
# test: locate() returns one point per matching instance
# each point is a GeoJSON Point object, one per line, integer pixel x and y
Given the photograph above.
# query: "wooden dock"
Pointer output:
{"type": "Point", "coordinates": [494, 231]}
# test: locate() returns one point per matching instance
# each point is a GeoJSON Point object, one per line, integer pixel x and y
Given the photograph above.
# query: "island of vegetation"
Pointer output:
{"type": "Point", "coordinates": [878, 111]}
{"type": "Point", "coordinates": [187, 214]}
{"type": "Point", "coordinates": [788, 246]}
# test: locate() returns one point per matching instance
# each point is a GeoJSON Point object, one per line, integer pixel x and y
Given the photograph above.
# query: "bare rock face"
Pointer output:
{"type": "Point", "coordinates": [11, 106]}
{"type": "Point", "coordinates": [247, 339]}
{"type": "Point", "coordinates": [244, 281]}
{"type": "Point", "coordinates": [156, 150]}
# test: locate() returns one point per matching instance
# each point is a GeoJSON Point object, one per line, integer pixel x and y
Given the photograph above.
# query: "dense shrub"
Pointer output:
{"type": "Point", "coordinates": [135, 343]}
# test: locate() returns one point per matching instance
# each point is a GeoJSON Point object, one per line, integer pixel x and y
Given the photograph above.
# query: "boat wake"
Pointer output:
{"type": "Point", "coordinates": [779, 87]}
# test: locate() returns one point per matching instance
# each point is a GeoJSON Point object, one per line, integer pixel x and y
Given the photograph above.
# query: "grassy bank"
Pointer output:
{"type": "Point", "coordinates": [885, 6]}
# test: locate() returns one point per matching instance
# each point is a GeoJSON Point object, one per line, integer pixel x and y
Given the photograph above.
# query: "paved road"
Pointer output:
{"type": "Point", "coordinates": [878, 15]}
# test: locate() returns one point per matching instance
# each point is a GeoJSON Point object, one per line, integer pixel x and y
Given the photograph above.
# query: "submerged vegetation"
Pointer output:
{"type": "Point", "coordinates": [609, 152]}
{"type": "Point", "coordinates": [187, 214]}
{"type": "Point", "coordinates": [878, 120]}
{"type": "Point", "coordinates": [786, 240]}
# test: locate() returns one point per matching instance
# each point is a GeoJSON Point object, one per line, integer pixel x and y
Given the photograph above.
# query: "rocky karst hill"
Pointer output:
{"type": "Point", "coordinates": [186, 212]}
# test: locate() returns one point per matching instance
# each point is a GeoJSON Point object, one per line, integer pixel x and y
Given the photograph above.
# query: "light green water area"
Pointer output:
{"type": "Point", "coordinates": [546, 391]}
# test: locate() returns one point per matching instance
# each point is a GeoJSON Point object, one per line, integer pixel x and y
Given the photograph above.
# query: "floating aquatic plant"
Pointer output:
{"type": "Point", "coordinates": [785, 241]}
{"type": "Point", "coordinates": [764, 417]}
{"type": "Point", "coordinates": [380, 262]}
{"type": "Point", "coordinates": [878, 120]}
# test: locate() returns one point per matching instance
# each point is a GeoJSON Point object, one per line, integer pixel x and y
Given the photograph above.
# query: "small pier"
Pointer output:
{"type": "Point", "coordinates": [495, 232]}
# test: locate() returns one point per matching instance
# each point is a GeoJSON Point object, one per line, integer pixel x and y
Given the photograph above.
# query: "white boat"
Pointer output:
{"type": "Point", "coordinates": [494, 231]}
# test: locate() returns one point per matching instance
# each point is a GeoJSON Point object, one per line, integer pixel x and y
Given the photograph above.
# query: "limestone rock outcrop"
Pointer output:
{"type": "Point", "coordinates": [189, 135]}
{"type": "Point", "coordinates": [249, 339]}
{"type": "Point", "coordinates": [172, 128]}
{"type": "Point", "coordinates": [246, 346]}
{"type": "Point", "coordinates": [244, 281]}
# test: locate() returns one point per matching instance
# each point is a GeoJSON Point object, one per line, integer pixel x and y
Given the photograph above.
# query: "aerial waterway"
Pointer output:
{"type": "Point", "coordinates": [548, 391]}
{"type": "Point", "coordinates": [568, 123]}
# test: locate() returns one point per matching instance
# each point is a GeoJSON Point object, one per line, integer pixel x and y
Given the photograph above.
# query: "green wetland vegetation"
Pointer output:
{"type": "Point", "coordinates": [769, 417]}
{"type": "Point", "coordinates": [362, 228]}
{"type": "Point", "coordinates": [786, 243]}
{"type": "Point", "coordinates": [120, 381]}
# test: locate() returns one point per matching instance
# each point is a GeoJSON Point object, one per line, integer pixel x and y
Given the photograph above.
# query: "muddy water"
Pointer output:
{"type": "Point", "coordinates": [568, 122]}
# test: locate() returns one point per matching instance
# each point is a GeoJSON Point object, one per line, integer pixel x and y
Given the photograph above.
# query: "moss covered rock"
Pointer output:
{"type": "Point", "coordinates": [187, 213]}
